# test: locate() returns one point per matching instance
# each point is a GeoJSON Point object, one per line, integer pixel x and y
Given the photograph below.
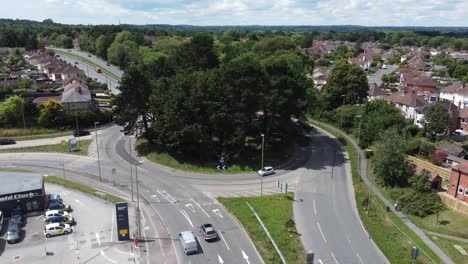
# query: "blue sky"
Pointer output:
{"type": "Point", "coordinates": [244, 12]}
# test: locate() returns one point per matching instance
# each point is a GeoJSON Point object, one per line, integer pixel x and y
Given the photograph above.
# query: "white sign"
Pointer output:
{"type": "Point", "coordinates": [282, 187]}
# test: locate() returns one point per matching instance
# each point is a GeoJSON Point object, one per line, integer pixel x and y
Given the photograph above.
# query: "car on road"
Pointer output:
{"type": "Point", "coordinates": [98, 70]}
{"type": "Point", "coordinates": [266, 171]}
{"type": "Point", "coordinates": [188, 242]}
{"type": "Point", "coordinates": [208, 232]}
{"type": "Point", "coordinates": [89, 55]}
{"type": "Point", "coordinates": [66, 219]}
{"type": "Point", "coordinates": [7, 141]}
{"type": "Point", "coordinates": [81, 133]}
{"type": "Point", "coordinates": [76, 62]}
{"type": "Point", "coordinates": [108, 64]}
{"type": "Point", "coordinates": [13, 233]}
{"type": "Point", "coordinates": [57, 229]}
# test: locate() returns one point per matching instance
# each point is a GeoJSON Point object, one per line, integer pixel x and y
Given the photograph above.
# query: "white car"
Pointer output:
{"type": "Point", "coordinates": [266, 171]}
{"type": "Point", "coordinates": [57, 229]}
{"type": "Point", "coordinates": [50, 213]}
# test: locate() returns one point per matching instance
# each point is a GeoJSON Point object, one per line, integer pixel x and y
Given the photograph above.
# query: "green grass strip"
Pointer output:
{"type": "Point", "coordinates": [59, 148]}
{"type": "Point", "coordinates": [83, 188]}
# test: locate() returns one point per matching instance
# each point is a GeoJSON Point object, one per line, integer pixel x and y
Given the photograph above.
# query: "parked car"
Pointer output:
{"type": "Point", "coordinates": [266, 171]}
{"type": "Point", "coordinates": [76, 62]}
{"type": "Point", "coordinates": [208, 232]}
{"type": "Point", "coordinates": [57, 229]}
{"type": "Point", "coordinates": [66, 219]}
{"type": "Point", "coordinates": [188, 242]}
{"type": "Point", "coordinates": [16, 217]}
{"type": "Point", "coordinates": [60, 207]}
{"type": "Point", "coordinates": [81, 133]}
{"type": "Point", "coordinates": [7, 141]}
{"type": "Point", "coordinates": [49, 213]}
{"type": "Point", "coordinates": [13, 233]}
{"type": "Point", "coordinates": [55, 198]}
{"type": "Point", "coordinates": [1, 220]}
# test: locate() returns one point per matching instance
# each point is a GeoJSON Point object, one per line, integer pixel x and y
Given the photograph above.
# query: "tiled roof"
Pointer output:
{"type": "Point", "coordinates": [43, 99]}
{"type": "Point", "coordinates": [374, 90]}
{"type": "Point", "coordinates": [463, 167]}
{"type": "Point", "coordinates": [457, 88]}
{"type": "Point", "coordinates": [409, 99]}
{"type": "Point", "coordinates": [418, 78]}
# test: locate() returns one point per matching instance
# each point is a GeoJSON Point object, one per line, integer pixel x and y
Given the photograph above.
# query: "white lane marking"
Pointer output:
{"type": "Point", "coordinates": [210, 195]}
{"type": "Point", "coordinates": [220, 260]}
{"type": "Point", "coordinates": [245, 257]}
{"type": "Point", "coordinates": [78, 201]}
{"type": "Point", "coordinates": [122, 252]}
{"type": "Point", "coordinates": [167, 196]}
{"type": "Point", "coordinates": [98, 239]}
{"type": "Point", "coordinates": [315, 209]}
{"type": "Point", "coordinates": [359, 258]}
{"type": "Point", "coordinates": [112, 227]}
{"type": "Point", "coordinates": [200, 207]}
{"type": "Point", "coordinates": [190, 206]}
{"type": "Point", "coordinates": [320, 261]}
{"type": "Point", "coordinates": [104, 255]}
{"type": "Point", "coordinates": [216, 211]}
{"type": "Point", "coordinates": [320, 229]}
{"type": "Point", "coordinates": [147, 227]}
{"type": "Point", "coordinates": [154, 196]}
{"type": "Point", "coordinates": [333, 255]}
{"type": "Point", "coordinates": [186, 216]}
{"type": "Point", "coordinates": [222, 237]}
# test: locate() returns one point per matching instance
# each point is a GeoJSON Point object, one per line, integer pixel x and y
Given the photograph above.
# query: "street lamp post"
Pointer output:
{"type": "Point", "coordinates": [131, 169]}
{"type": "Point", "coordinates": [97, 150]}
{"type": "Point", "coordinates": [358, 142]}
{"type": "Point", "coordinates": [261, 175]}
{"type": "Point", "coordinates": [138, 162]}
{"type": "Point", "coordinates": [342, 111]}
{"type": "Point", "coordinates": [370, 192]}
{"type": "Point", "coordinates": [77, 130]}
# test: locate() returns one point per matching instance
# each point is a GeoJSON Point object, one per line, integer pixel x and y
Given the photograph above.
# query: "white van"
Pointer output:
{"type": "Point", "coordinates": [188, 242]}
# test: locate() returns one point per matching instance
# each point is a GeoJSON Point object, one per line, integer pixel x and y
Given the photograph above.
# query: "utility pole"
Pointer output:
{"type": "Point", "coordinates": [138, 162]}
{"type": "Point", "coordinates": [370, 192]}
{"type": "Point", "coordinates": [131, 169]}
{"type": "Point", "coordinates": [358, 142]}
{"type": "Point", "coordinates": [77, 130]}
{"type": "Point", "coordinates": [342, 111]}
{"type": "Point", "coordinates": [97, 150]}
{"type": "Point", "coordinates": [262, 170]}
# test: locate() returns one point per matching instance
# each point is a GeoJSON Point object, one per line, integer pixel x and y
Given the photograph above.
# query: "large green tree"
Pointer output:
{"type": "Point", "coordinates": [10, 111]}
{"type": "Point", "coordinates": [346, 84]}
{"type": "Point", "coordinates": [437, 119]}
{"type": "Point", "coordinates": [51, 114]}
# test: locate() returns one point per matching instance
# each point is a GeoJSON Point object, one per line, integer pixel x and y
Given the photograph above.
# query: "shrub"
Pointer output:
{"type": "Point", "coordinates": [438, 157]}
{"type": "Point", "coordinates": [417, 203]}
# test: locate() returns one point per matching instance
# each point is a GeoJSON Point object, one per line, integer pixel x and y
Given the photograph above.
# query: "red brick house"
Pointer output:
{"type": "Point", "coordinates": [419, 82]}
{"type": "Point", "coordinates": [458, 183]}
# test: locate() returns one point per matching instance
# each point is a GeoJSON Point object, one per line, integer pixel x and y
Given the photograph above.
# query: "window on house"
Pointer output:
{"type": "Point", "coordinates": [466, 192]}
{"type": "Point", "coordinates": [460, 189]}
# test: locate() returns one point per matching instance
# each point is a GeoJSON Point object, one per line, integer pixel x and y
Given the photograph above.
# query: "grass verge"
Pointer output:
{"type": "Point", "coordinates": [391, 235]}
{"type": "Point", "coordinates": [249, 164]}
{"type": "Point", "coordinates": [447, 245]}
{"type": "Point", "coordinates": [451, 223]}
{"type": "Point", "coordinates": [274, 211]}
{"type": "Point", "coordinates": [83, 188]}
{"type": "Point", "coordinates": [61, 148]}
{"type": "Point", "coordinates": [19, 134]}
{"type": "Point", "coordinates": [89, 62]}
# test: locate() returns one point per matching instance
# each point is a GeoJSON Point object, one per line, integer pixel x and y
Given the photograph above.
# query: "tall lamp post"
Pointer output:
{"type": "Point", "coordinates": [342, 111]}
{"type": "Point", "coordinates": [370, 192]}
{"type": "Point", "coordinates": [77, 130]}
{"type": "Point", "coordinates": [358, 142]}
{"type": "Point", "coordinates": [261, 175]}
{"type": "Point", "coordinates": [138, 162]}
{"type": "Point", "coordinates": [131, 169]}
{"type": "Point", "coordinates": [97, 150]}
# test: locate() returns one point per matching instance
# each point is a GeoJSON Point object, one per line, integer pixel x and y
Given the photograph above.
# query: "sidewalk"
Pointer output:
{"type": "Point", "coordinates": [42, 142]}
{"type": "Point", "coordinates": [376, 191]}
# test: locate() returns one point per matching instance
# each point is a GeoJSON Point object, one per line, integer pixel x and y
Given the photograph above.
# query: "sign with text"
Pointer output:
{"type": "Point", "coordinates": [72, 144]}
{"type": "Point", "coordinates": [123, 227]}
{"type": "Point", "coordinates": [282, 187]}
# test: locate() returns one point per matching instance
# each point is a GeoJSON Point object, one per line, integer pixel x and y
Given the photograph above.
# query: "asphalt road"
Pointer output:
{"type": "Point", "coordinates": [377, 76]}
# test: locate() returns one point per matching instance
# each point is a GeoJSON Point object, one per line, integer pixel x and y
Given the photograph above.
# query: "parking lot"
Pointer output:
{"type": "Point", "coordinates": [93, 239]}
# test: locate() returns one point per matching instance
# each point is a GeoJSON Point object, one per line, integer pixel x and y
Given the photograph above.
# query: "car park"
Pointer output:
{"type": "Point", "coordinates": [208, 232]}
{"type": "Point", "coordinates": [57, 229]}
{"type": "Point", "coordinates": [66, 219]}
{"type": "Point", "coordinates": [266, 171]}
{"type": "Point", "coordinates": [188, 242]}
{"type": "Point", "coordinates": [13, 233]}
{"type": "Point", "coordinates": [7, 141]}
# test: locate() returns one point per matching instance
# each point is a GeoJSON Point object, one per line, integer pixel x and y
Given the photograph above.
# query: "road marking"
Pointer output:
{"type": "Point", "coordinates": [154, 196]}
{"type": "Point", "coordinates": [78, 201]}
{"type": "Point", "coordinates": [168, 197]}
{"type": "Point", "coordinates": [98, 239]}
{"type": "Point", "coordinates": [222, 237]}
{"type": "Point", "coordinates": [221, 261]}
{"type": "Point", "coordinates": [186, 216]}
{"type": "Point", "coordinates": [245, 257]}
{"type": "Point", "coordinates": [320, 261]}
{"type": "Point", "coordinates": [359, 257]}
{"type": "Point", "coordinates": [216, 211]}
{"type": "Point", "coordinates": [315, 209]}
{"type": "Point", "coordinates": [320, 229]}
{"type": "Point", "coordinates": [112, 227]}
{"type": "Point", "coordinates": [333, 255]}
{"type": "Point", "coordinates": [200, 207]}
{"type": "Point", "coordinates": [190, 206]}
{"type": "Point", "coordinates": [104, 255]}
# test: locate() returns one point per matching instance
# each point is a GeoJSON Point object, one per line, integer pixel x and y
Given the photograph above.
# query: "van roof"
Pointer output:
{"type": "Point", "coordinates": [187, 236]}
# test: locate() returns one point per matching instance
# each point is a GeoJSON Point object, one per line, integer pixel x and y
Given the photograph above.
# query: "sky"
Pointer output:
{"type": "Point", "coordinates": [243, 12]}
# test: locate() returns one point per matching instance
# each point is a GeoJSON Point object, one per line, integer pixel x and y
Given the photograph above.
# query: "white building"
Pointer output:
{"type": "Point", "coordinates": [456, 93]}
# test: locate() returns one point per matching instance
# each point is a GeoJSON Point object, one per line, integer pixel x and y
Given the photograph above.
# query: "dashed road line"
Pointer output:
{"type": "Point", "coordinates": [222, 237]}
{"type": "Point", "coordinates": [333, 255]}
{"type": "Point", "coordinates": [320, 229]}
{"type": "Point", "coordinates": [200, 207]}
{"type": "Point", "coordinates": [186, 217]}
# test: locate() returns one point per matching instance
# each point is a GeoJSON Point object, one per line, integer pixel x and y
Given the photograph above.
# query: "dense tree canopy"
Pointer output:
{"type": "Point", "coordinates": [437, 119]}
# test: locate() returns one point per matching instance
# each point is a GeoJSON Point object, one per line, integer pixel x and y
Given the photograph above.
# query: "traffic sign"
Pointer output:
{"type": "Point", "coordinates": [114, 171]}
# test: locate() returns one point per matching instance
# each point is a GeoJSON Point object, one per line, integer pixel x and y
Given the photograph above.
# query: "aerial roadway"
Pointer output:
{"type": "Point", "coordinates": [324, 207]}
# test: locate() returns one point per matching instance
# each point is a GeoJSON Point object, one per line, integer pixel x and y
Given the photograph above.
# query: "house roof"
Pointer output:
{"type": "Point", "coordinates": [71, 79]}
{"type": "Point", "coordinates": [457, 88]}
{"type": "Point", "coordinates": [375, 90]}
{"type": "Point", "coordinates": [451, 149]}
{"type": "Point", "coordinates": [75, 92]}
{"type": "Point", "coordinates": [433, 177]}
{"type": "Point", "coordinates": [43, 99]}
{"type": "Point", "coordinates": [418, 78]}
{"type": "Point", "coordinates": [463, 113]}
{"type": "Point", "coordinates": [409, 99]}
{"type": "Point", "coordinates": [462, 167]}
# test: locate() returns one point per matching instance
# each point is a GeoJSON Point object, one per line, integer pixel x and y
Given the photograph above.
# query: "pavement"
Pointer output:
{"type": "Point", "coordinates": [406, 221]}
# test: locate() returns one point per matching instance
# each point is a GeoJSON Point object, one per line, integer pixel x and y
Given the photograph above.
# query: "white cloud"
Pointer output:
{"type": "Point", "coordinates": [244, 12]}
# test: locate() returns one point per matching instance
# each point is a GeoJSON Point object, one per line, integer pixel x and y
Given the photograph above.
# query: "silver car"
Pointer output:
{"type": "Point", "coordinates": [13, 233]}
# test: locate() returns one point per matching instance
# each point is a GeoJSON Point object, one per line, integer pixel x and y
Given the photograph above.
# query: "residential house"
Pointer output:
{"type": "Point", "coordinates": [434, 52]}
{"type": "Point", "coordinates": [464, 119]}
{"type": "Point", "coordinates": [417, 81]}
{"type": "Point", "coordinates": [319, 77]}
{"type": "Point", "coordinates": [458, 182]}
{"type": "Point", "coordinates": [416, 63]}
{"type": "Point", "coordinates": [43, 99]}
{"type": "Point", "coordinates": [410, 105]}
{"type": "Point", "coordinates": [457, 93]}
{"type": "Point", "coordinates": [76, 96]}
{"type": "Point", "coordinates": [364, 60]}
{"type": "Point", "coordinates": [435, 180]}
{"type": "Point", "coordinates": [375, 92]}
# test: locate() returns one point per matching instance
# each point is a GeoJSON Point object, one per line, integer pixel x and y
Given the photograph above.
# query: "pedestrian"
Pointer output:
{"type": "Point", "coordinates": [396, 206]}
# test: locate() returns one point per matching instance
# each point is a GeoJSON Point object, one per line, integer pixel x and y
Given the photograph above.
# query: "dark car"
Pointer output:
{"type": "Point", "coordinates": [55, 198]}
{"type": "Point", "coordinates": [7, 141]}
{"type": "Point", "coordinates": [13, 233]}
{"type": "Point", "coordinates": [81, 133]}
{"type": "Point", "coordinates": [208, 232]}
{"type": "Point", "coordinates": [76, 62]}
{"type": "Point", "coordinates": [16, 217]}
{"type": "Point", "coordinates": [59, 206]}
{"type": "Point", "coordinates": [108, 64]}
